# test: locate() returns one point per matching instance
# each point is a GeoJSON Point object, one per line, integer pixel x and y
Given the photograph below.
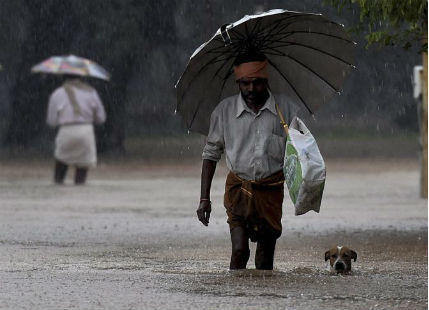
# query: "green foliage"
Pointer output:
{"type": "Point", "coordinates": [390, 22]}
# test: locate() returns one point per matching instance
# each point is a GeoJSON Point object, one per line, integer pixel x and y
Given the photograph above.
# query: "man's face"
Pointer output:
{"type": "Point", "coordinates": [253, 90]}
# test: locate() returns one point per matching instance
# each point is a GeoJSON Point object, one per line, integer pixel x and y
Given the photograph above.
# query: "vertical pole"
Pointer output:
{"type": "Point", "coordinates": [424, 130]}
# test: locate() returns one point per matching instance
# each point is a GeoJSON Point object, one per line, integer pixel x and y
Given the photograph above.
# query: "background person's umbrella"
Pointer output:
{"type": "Point", "coordinates": [309, 57]}
{"type": "Point", "coordinates": [71, 65]}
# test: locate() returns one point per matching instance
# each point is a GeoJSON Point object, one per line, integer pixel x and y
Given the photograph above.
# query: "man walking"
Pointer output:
{"type": "Point", "coordinates": [246, 127]}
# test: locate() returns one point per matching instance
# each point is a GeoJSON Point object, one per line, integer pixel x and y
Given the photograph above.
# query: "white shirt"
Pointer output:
{"type": "Point", "coordinates": [253, 143]}
{"type": "Point", "coordinates": [61, 110]}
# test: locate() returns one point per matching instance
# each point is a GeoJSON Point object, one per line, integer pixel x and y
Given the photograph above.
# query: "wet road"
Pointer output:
{"type": "Point", "coordinates": [129, 240]}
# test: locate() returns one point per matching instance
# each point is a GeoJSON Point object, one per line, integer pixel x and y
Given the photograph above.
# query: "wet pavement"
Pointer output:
{"type": "Point", "coordinates": [130, 240]}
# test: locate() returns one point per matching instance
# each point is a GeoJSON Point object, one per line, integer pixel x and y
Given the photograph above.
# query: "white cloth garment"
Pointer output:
{"type": "Point", "coordinates": [75, 145]}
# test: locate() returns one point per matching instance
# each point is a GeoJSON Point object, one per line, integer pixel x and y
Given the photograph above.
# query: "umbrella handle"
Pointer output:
{"type": "Point", "coordinates": [225, 35]}
{"type": "Point", "coordinates": [282, 120]}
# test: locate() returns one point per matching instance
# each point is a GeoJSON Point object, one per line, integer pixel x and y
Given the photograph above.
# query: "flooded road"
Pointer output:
{"type": "Point", "coordinates": [130, 240]}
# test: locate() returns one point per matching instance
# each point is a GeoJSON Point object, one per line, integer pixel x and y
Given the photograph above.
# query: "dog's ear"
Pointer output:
{"type": "Point", "coordinates": [354, 255]}
{"type": "Point", "coordinates": [327, 255]}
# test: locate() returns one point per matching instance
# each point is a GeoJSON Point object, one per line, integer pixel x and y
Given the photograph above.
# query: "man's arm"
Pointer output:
{"type": "Point", "coordinates": [100, 113]}
{"type": "Point", "coordinates": [207, 173]}
{"type": "Point", "coordinates": [52, 113]}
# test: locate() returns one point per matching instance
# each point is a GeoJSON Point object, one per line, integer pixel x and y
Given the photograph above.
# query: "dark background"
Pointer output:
{"type": "Point", "coordinates": [146, 44]}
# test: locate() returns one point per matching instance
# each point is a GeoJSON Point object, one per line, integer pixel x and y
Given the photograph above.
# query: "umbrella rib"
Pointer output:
{"type": "Point", "coordinates": [218, 50]}
{"type": "Point", "coordinates": [223, 85]}
{"type": "Point", "coordinates": [221, 67]}
{"type": "Point", "coordinates": [193, 117]}
{"type": "Point", "coordinates": [229, 72]}
{"type": "Point", "coordinates": [221, 50]}
{"type": "Point", "coordinates": [257, 23]}
{"type": "Point", "coordinates": [234, 46]}
{"type": "Point", "coordinates": [275, 30]}
{"type": "Point", "coordinates": [274, 25]}
{"type": "Point", "coordinates": [238, 34]}
{"type": "Point", "coordinates": [312, 71]}
{"type": "Point", "coordinates": [315, 18]}
{"type": "Point", "coordinates": [246, 30]}
{"type": "Point", "coordinates": [212, 61]}
{"type": "Point", "coordinates": [286, 44]}
{"type": "Point", "coordinates": [216, 39]}
{"type": "Point", "coordinates": [217, 57]}
{"type": "Point", "coordinates": [288, 34]}
{"type": "Point", "coordinates": [293, 88]}
{"type": "Point", "coordinates": [274, 52]}
{"type": "Point", "coordinates": [280, 32]}
{"type": "Point", "coordinates": [259, 37]}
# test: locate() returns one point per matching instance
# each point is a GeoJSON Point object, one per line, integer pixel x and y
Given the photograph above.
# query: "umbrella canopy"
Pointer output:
{"type": "Point", "coordinates": [308, 56]}
{"type": "Point", "coordinates": [71, 65]}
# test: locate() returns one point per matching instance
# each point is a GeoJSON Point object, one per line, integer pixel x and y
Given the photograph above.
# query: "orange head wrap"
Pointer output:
{"type": "Point", "coordinates": [253, 69]}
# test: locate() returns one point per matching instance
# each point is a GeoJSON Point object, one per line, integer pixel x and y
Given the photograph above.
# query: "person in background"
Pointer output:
{"type": "Point", "coordinates": [74, 108]}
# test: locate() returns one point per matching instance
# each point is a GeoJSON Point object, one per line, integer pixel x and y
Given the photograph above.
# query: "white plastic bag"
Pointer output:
{"type": "Point", "coordinates": [304, 168]}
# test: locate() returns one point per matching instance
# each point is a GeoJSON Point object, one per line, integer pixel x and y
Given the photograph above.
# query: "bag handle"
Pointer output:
{"type": "Point", "coordinates": [282, 120]}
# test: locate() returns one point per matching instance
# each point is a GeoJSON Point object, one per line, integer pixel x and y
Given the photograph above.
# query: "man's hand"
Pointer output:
{"type": "Point", "coordinates": [203, 212]}
{"type": "Point", "coordinates": [204, 209]}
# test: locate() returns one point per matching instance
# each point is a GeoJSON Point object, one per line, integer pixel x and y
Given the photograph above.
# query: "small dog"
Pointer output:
{"type": "Point", "coordinates": [340, 258]}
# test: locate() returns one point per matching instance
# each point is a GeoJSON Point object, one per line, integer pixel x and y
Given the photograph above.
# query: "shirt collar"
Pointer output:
{"type": "Point", "coordinates": [270, 105]}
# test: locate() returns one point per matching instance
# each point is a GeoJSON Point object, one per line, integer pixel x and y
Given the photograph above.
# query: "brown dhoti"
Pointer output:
{"type": "Point", "coordinates": [255, 205]}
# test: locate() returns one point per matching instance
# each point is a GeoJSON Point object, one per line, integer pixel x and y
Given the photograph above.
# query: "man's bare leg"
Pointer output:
{"type": "Point", "coordinates": [264, 256]}
{"type": "Point", "coordinates": [80, 176]}
{"type": "Point", "coordinates": [240, 248]}
{"type": "Point", "coordinates": [60, 172]}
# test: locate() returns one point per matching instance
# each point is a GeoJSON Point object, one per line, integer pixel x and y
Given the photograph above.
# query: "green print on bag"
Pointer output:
{"type": "Point", "coordinates": [292, 171]}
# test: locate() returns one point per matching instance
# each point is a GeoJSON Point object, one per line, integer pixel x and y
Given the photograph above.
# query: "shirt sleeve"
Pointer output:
{"type": "Point", "coordinates": [100, 113]}
{"type": "Point", "coordinates": [215, 143]}
{"type": "Point", "coordinates": [52, 114]}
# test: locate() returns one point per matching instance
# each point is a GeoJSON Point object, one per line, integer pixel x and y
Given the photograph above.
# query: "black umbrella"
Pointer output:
{"type": "Point", "coordinates": [309, 57]}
